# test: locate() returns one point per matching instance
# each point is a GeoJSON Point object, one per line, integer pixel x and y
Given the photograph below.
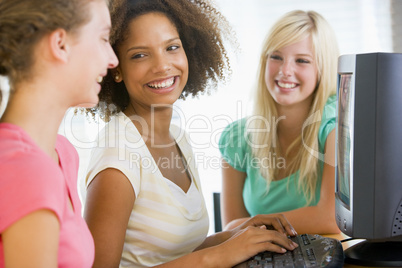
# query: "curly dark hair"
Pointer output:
{"type": "Point", "coordinates": [202, 30]}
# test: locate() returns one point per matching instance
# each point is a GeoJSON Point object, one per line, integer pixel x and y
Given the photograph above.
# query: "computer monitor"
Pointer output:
{"type": "Point", "coordinates": [368, 175]}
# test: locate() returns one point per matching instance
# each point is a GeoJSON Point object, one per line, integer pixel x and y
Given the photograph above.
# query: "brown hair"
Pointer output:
{"type": "Point", "coordinates": [202, 30]}
{"type": "Point", "coordinates": [24, 22]}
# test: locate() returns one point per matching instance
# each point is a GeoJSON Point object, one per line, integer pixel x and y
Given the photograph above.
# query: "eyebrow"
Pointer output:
{"type": "Point", "coordinates": [145, 47]}
{"type": "Point", "coordinates": [298, 54]}
{"type": "Point", "coordinates": [305, 55]}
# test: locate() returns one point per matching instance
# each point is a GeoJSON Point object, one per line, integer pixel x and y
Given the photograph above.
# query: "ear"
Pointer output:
{"type": "Point", "coordinates": [59, 47]}
{"type": "Point", "coordinates": [117, 75]}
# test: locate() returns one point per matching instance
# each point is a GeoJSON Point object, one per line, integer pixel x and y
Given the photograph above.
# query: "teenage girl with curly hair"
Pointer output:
{"type": "Point", "coordinates": [144, 203]}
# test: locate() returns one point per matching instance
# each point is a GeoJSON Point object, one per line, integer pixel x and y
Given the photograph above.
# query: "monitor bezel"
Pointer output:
{"type": "Point", "coordinates": [344, 212]}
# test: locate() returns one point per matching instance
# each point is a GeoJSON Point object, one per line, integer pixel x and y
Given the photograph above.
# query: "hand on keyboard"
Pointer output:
{"type": "Point", "coordinates": [313, 251]}
{"type": "Point", "coordinates": [277, 222]}
{"type": "Point", "coordinates": [251, 240]}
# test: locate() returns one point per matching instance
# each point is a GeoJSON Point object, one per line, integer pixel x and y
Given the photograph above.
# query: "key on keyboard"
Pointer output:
{"type": "Point", "coordinates": [313, 251]}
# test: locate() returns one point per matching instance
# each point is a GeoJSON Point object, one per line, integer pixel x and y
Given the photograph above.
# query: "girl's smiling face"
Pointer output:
{"type": "Point", "coordinates": [153, 63]}
{"type": "Point", "coordinates": [91, 44]}
{"type": "Point", "coordinates": [291, 73]}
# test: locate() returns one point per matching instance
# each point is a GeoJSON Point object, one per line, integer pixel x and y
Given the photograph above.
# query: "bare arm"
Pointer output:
{"type": "Point", "coordinates": [232, 203]}
{"type": "Point", "coordinates": [109, 202]}
{"type": "Point", "coordinates": [245, 244]}
{"type": "Point", "coordinates": [35, 237]}
{"type": "Point", "coordinates": [278, 223]}
{"type": "Point", "coordinates": [107, 211]}
{"type": "Point", "coordinates": [320, 218]}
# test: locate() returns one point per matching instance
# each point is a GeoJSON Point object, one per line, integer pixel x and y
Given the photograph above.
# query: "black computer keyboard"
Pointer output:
{"type": "Point", "coordinates": [313, 251]}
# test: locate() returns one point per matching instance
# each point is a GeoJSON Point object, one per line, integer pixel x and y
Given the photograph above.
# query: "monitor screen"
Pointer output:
{"type": "Point", "coordinates": [345, 136]}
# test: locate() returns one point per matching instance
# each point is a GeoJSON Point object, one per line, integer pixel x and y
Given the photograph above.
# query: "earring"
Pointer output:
{"type": "Point", "coordinates": [116, 77]}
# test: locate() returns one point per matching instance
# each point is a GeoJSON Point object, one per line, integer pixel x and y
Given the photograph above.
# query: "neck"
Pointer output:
{"type": "Point", "coordinates": [38, 116]}
{"type": "Point", "coordinates": [291, 126]}
{"type": "Point", "coordinates": [152, 124]}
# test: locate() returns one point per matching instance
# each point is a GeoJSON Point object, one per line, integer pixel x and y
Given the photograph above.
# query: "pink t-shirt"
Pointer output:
{"type": "Point", "coordinates": [30, 180]}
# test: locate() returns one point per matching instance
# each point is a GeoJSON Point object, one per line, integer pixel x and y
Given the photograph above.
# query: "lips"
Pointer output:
{"type": "Point", "coordinates": [286, 85]}
{"type": "Point", "coordinates": [161, 84]}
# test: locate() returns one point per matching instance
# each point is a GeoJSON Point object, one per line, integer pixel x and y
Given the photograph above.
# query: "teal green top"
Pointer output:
{"type": "Point", "coordinates": [283, 194]}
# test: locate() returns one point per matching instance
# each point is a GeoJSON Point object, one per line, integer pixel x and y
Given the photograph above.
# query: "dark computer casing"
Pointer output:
{"type": "Point", "coordinates": [375, 204]}
{"type": "Point", "coordinates": [368, 195]}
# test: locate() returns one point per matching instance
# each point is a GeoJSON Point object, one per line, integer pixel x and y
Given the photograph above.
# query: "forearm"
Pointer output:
{"type": "Point", "coordinates": [232, 216]}
{"type": "Point", "coordinates": [313, 219]}
{"type": "Point", "coordinates": [215, 239]}
{"type": "Point", "coordinates": [241, 246]}
{"type": "Point", "coordinates": [205, 258]}
{"type": "Point", "coordinates": [234, 223]}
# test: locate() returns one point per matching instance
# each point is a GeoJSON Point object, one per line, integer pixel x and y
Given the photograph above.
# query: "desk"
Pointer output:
{"type": "Point", "coordinates": [347, 245]}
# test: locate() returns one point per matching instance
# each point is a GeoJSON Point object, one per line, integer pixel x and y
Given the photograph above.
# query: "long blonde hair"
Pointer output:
{"type": "Point", "coordinates": [292, 28]}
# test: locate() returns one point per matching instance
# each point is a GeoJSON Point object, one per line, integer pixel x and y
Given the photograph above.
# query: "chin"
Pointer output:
{"type": "Point", "coordinates": [285, 101]}
{"type": "Point", "coordinates": [167, 99]}
{"type": "Point", "coordinates": [87, 104]}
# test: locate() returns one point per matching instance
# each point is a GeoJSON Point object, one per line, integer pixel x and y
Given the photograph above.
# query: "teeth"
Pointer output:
{"type": "Point", "coordinates": [99, 79]}
{"type": "Point", "coordinates": [286, 85]}
{"type": "Point", "coordinates": [166, 83]}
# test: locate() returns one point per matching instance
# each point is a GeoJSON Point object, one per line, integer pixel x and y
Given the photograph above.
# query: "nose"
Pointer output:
{"type": "Point", "coordinates": [161, 64]}
{"type": "Point", "coordinates": [113, 61]}
{"type": "Point", "coordinates": [286, 68]}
